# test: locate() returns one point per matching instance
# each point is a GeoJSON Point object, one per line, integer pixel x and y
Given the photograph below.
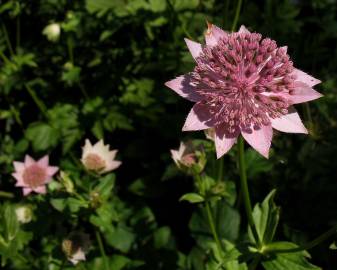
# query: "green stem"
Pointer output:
{"type": "Point", "coordinates": [4, 57]}
{"type": "Point", "coordinates": [307, 246]}
{"type": "Point", "coordinates": [101, 248]}
{"type": "Point", "coordinates": [212, 226]}
{"type": "Point", "coordinates": [307, 112]}
{"type": "Point", "coordinates": [9, 45]}
{"type": "Point", "coordinates": [18, 33]}
{"type": "Point", "coordinates": [237, 14]}
{"type": "Point", "coordinates": [70, 49]}
{"type": "Point", "coordinates": [5, 194]}
{"type": "Point", "coordinates": [209, 214]}
{"type": "Point", "coordinates": [42, 107]}
{"type": "Point", "coordinates": [220, 169]}
{"type": "Point", "coordinates": [244, 189]}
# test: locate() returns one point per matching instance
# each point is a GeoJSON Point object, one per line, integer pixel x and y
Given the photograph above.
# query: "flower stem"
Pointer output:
{"type": "Point", "coordinates": [212, 226]}
{"type": "Point", "coordinates": [209, 214]}
{"type": "Point", "coordinates": [307, 246]}
{"type": "Point", "coordinates": [237, 14]}
{"type": "Point", "coordinates": [5, 194]}
{"type": "Point", "coordinates": [101, 248]}
{"type": "Point", "coordinates": [220, 169]}
{"type": "Point", "coordinates": [37, 101]}
{"type": "Point", "coordinates": [244, 189]}
{"type": "Point", "coordinates": [9, 45]}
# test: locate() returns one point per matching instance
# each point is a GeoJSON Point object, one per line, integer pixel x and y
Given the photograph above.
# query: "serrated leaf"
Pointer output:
{"type": "Point", "coordinates": [192, 198]}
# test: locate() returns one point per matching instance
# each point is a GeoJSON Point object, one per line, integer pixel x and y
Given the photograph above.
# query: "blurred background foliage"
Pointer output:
{"type": "Point", "coordinates": [103, 77]}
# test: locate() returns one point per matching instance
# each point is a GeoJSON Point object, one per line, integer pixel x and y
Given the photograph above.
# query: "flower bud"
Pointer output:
{"type": "Point", "coordinates": [52, 32]}
{"type": "Point", "coordinates": [75, 247]}
{"type": "Point", "coordinates": [24, 214]}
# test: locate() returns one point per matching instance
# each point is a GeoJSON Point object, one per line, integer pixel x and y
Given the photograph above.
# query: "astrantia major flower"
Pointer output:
{"type": "Point", "coordinates": [243, 84]}
{"type": "Point", "coordinates": [98, 157]}
{"type": "Point", "coordinates": [33, 175]}
{"type": "Point", "coordinates": [185, 155]}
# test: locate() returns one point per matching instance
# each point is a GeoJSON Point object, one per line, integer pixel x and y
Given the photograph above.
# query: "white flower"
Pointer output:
{"type": "Point", "coordinates": [98, 157]}
{"type": "Point", "coordinates": [52, 32]}
{"type": "Point", "coordinates": [24, 214]}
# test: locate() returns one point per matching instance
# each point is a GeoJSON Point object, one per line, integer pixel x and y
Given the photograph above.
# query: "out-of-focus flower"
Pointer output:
{"type": "Point", "coordinates": [99, 158]}
{"type": "Point", "coordinates": [76, 246]}
{"type": "Point", "coordinates": [243, 84]}
{"type": "Point", "coordinates": [189, 157]}
{"type": "Point", "coordinates": [52, 32]}
{"type": "Point", "coordinates": [185, 155]}
{"type": "Point", "coordinates": [24, 214]}
{"type": "Point", "coordinates": [33, 175]}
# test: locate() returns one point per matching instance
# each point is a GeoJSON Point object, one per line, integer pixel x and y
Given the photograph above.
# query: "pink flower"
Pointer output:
{"type": "Point", "coordinates": [185, 155]}
{"type": "Point", "coordinates": [33, 175]}
{"type": "Point", "coordinates": [99, 158]}
{"type": "Point", "coordinates": [243, 84]}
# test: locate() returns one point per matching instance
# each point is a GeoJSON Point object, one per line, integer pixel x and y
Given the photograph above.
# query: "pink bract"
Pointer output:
{"type": "Point", "coordinates": [33, 175]}
{"type": "Point", "coordinates": [243, 84]}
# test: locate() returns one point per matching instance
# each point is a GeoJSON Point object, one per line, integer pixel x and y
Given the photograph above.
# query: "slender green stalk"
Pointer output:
{"type": "Point", "coordinates": [9, 45]}
{"type": "Point", "coordinates": [220, 169]}
{"type": "Point", "coordinates": [70, 50]}
{"type": "Point", "coordinates": [209, 214]}
{"type": "Point", "coordinates": [307, 246]}
{"type": "Point", "coordinates": [4, 58]}
{"type": "Point", "coordinates": [101, 248]}
{"type": "Point", "coordinates": [5, 194]}
{"type": "Point", "coordinates": [308, 116]}
{"type": "Point", "coordinates": [212, 226]}
{"type": "Point", "coordinates": [244, 189]}
{"type": "Point", "coordinates": [237, 14]}
{"type": "Point", "coordinates": [18, 33]}
{"type": "Point", "coordinates": [42, 107]}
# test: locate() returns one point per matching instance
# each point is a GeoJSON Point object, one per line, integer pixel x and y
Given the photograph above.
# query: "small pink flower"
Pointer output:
{"type": "Point", "coordinates": [99, 158]}
{"type": "Point", "coordinates": [243, 84]}
{"type": "Point", "coordinates": [33, 175]}
{"type": "Point", "coordinates": [185, 155]}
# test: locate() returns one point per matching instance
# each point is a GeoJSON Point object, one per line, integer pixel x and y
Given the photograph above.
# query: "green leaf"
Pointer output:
{"type": "Point", "coordinates": [286, 261]}
{"type": "Point", "coordinates": [161, 237]}
{"type": "Point", "coordinates": [42, 136]}
{"type": "Point", "coordinates": [192, 198]}
{"type": "Point", "coordinates": [58, 204]}
{"type": "Point", "coordinates": [121, 238]}
{"type": "Point", "coordinates": [11, 222]}
{"type": "Point", "coordinates": [105, 186]}
{"type": "Point", "coordinates": [266, 217]}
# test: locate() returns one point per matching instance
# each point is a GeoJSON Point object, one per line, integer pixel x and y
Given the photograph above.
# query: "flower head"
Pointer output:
{"type": "Point", "coordinates": [243, 84]}
{"type": "Point", "coordinates": [76, 246]}
{"type": "Point", "coordinates": [185, 155]}
{"type": "Point", "coordinates": [189, 157]}
{"type": "Point", "coordinates": [24, 214]}
{"type": "Point", "coordinates": [33, 175]}
{"type": "Point", "coordinates": [98, 157]}
{"type": "Point", "coordinates": [52, 32]}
